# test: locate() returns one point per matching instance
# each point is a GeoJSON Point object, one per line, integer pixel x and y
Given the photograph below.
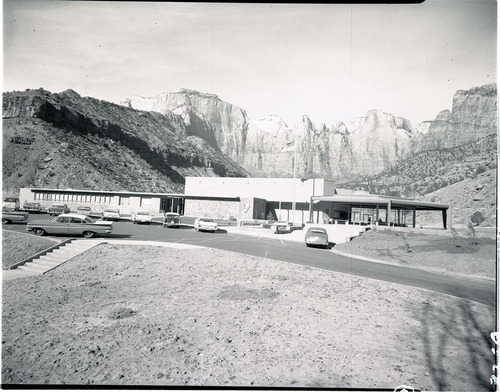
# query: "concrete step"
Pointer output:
{"type": "Point", "coordinates": [48, 263]}
{"type": "Point", "coordinates": [55, 256]}
{"type": "Point", "coordinates": [62, 254]}
{"type": "Point", "coordinates": [29, 267]}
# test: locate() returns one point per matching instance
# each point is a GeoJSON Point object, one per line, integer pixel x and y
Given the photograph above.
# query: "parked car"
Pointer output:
{"type": "Point", "coordinates": [171, 219]}
{"type": "Point", "coordinates": [32, 206]}
{"type": "Point", "coordinates": [84, 210]}
{"type": "Point", "coordinates": [141, 217]}
{"type": "Point", "coordinates": [11, 202]}
{"type": "Point", "coordinates": [70, 224]}
{"type": "Point", "coordinates": [10, 215]}
{"type": "Point", "coordinates": [316, 236]}
{"type": "Point", "coordinates": [205, 224]}
{"type": "Point", "coordinates": [111, 214]}
{"type": "Point", "coordinates": [57, 209]}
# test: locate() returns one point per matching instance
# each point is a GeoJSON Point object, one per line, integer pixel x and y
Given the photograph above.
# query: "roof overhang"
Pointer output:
{"type": "Point", "coordinates": [374, 200]}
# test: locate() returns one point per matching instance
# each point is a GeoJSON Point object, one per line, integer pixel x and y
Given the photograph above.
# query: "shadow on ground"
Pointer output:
{"type": "Point", "coordinates": [467, 343]}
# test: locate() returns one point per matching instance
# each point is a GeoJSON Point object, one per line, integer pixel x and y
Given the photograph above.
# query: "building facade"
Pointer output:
{"type": "Point", "coordinates": [314, 200]}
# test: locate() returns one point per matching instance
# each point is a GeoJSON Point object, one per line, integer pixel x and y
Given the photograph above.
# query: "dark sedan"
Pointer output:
{"type": "Point", "coordinates": [56, 209]}
{"type": "Point", "coordinates": [9, 215]}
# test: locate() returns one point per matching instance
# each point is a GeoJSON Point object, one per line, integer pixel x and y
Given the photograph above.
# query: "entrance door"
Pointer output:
{"type": "Point", "coordinates": [172, 204]}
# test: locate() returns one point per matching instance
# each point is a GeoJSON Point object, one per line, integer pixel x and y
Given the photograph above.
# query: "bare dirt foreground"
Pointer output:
{"type": "Point", "coordinates": [144, 316]}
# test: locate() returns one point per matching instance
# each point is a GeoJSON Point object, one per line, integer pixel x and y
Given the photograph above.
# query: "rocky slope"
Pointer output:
{"type": "Point", "coordinates": [430, 170]}
{"type": "Point", "coordinates": [470, 197]}
{"type": "Point", "coordinates": [68, 141]}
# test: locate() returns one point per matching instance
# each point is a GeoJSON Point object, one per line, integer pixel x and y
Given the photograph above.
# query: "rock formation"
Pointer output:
{"type": "Point", "coordinates": [473, 116]}
{"type": "Point", "coordinates": [99, 145]}
{"type": "Point", "coordinates": [365, 146]}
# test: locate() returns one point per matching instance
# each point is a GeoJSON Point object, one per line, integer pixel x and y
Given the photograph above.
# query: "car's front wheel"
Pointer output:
{"type": "Point", "coordinates": [39, 231]}
{"type": "Point", "coordinates": [88, 234]}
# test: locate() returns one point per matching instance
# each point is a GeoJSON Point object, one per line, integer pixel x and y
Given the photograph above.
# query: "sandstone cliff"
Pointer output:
{"type": "Point", "coordinates": [366, 145]}
{"type": "Point", "coordinates": [216, 120]}
{"type": "Point", "coordinates": [473, 116]}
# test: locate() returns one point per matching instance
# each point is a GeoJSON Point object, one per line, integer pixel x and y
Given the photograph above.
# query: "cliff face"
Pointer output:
{"type": "Point", "coordinates": [65, 140]}
{"type": "Point", "coordinates": [215, 120]}
{"type": "Point", "coordinates": [473, 116]}
{"type": "Point", "coordinates": [366, 145]}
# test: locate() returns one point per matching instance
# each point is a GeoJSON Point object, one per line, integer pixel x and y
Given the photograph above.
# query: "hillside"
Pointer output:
{"type": "Point", "coordinates": [471, 196]}
{"type": "Point", "coordinates": [428, 171]}
{"type": "Point", "coordinates": [68, 141]}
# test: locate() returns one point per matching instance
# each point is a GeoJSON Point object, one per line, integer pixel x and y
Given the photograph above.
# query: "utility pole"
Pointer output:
{"type": "Point", "coordinates": [294, 177]}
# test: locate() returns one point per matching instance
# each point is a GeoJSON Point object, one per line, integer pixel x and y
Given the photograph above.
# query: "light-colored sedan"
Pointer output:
{"type": "Point", "coordinates": [316, 236]}
{"type": "Point", "coordinates": [70, 224]}
{"type": "Point", "coordinates": [142, 217]}
{"type": "Point", "coordinates": [83, 210]}
{"type": "Point", "coordinates": [111, 214]}
{"type": "Point", "coordinates": [205, 224]}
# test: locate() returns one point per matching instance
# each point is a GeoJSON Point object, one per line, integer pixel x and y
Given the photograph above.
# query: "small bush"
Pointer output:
{"type": "Point", "coordinates": [121, 313]}
{"type": "Point", "coordinates": [476, 218]}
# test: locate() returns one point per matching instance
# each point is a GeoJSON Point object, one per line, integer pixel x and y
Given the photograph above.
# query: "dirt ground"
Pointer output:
{"type": "Point", "coordinates": [149, 316]}
{"type": "Point", "coordinates": [459, 254]}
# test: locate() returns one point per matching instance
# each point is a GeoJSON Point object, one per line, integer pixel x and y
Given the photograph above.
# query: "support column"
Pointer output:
{"type": "Point", "coordinates": [414, 216]}
{"type": "Point", "coordinates": [445, 220]}
{"type": "Point", "coordinates": [311, 212]}
{"type": "Point", "coordinates": [377, 216]}
{"type": "Point", "coordinates": [389, 213]}
{"type": "Point", "coordinates": [450, 223]}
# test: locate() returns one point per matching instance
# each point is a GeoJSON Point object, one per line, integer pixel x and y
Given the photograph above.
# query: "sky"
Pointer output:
{"type": "Point", "coordinates": [331, 62]}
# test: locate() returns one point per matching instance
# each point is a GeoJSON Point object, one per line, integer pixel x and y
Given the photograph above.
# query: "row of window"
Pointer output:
{"type": "Point", "coordinates": [86, 198]}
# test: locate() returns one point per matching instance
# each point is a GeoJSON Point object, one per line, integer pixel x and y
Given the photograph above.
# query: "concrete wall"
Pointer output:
{"type": "Point", "coordinates": [271, 189]}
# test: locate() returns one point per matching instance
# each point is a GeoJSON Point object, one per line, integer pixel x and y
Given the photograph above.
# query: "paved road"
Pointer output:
{"type": "Point", "coordinates": [475, 289]}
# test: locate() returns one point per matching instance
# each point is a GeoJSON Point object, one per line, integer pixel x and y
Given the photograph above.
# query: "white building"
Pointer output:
{"type": "Point", "coordinates": [285, 199]}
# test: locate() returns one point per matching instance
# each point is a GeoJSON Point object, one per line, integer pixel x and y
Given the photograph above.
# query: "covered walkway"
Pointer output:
{"type": "Point", "coordinates": [371, 209]}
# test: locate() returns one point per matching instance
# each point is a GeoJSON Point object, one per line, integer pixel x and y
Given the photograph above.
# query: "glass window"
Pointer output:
{"type": "Point", "coordinates": [145, 201]}
{"type": "Point", "coordinates": [124, 201]}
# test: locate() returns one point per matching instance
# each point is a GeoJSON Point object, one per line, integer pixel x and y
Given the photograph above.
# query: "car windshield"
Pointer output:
{"type": "Point", "coordinates": [84, 208]}
{"type": "Point", "coordinates": [114, 211]}
{"type": "Point", "coordinates": [318, 231]}
{"type": "Point", "coordinates": [143, 213]}
{"type": "Point", "coordinates": [89, 220]}
{"type": "Point", "coordinates": [206, 220]}
{"type": "Point", "coordinates": [57, 206]}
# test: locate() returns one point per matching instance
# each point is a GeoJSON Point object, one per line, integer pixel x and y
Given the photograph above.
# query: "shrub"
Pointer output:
{"type": "Point", "coordinates": [476, 218]}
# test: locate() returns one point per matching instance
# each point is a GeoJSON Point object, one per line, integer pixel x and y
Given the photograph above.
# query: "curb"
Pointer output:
{"type": "Point", "coordinates": [429, 269]}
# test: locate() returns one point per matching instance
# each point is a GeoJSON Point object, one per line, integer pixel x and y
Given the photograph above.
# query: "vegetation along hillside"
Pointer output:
{"type": "Point", "coordinates": [463, 176]}
{"type": "Point", "coordinates": [428, 171]}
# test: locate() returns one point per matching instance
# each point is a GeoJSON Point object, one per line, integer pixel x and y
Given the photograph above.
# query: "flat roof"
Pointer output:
{"type": "Point", "coordinates": [379, 199]}
{"type": "Point", "coordinates": [129, 193]}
